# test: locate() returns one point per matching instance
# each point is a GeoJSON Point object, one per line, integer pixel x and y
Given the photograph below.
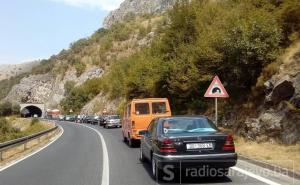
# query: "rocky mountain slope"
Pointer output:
{"type": "Point", "coordinates": [137, 7]}
{"type": "Point", "coordinates": [11, 70]}
{"type": "Point", "coordinates": [87, 58]}
{"type": "Point", "coordinates": [120, 46]}
{"type": "Point", "coordinates": [47, 88]}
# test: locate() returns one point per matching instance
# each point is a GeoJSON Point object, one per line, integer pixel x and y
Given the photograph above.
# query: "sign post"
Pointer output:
{"type": "Point", "coordinates": [216, 111]}
{"type": "Point", "coordinates": [216, 90]}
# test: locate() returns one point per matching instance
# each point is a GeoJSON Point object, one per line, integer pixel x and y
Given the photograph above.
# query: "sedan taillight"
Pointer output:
{"type": "Point", "coordinates": [166, 145]}
{"type": "Point", "coordinates": [229, 144]}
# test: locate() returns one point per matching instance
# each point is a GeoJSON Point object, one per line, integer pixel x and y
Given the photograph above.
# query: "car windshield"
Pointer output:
{"type": "Point", "coordinates": [114, 117]}
{"type": "Point", "coordinates": [187, 125]}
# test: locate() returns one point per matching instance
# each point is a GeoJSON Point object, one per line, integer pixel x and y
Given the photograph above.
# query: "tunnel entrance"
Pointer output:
{"type": "Point", "coordinates": [31, 111]}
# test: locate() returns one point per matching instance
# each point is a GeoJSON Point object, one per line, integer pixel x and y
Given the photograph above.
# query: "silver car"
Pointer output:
{"type": "Point", "coordinates": [113, 121]}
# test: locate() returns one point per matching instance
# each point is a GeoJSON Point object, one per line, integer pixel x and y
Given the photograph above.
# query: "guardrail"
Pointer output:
{"type": "Point", "coordinates": [23, 141]}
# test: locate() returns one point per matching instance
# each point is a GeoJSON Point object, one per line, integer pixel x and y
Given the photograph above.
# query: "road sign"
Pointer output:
{"type": "Point", "coordinates": [216, 89]}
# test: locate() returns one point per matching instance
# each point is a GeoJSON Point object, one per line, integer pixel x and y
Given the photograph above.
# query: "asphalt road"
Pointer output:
{"type": "Point", "coordinates": [76, 158]}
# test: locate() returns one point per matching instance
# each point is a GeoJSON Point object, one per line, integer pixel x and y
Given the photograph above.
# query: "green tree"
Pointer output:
{"type": "Point", "coordinates": [5, 108]}
{"type": "Point", "coordinates": [69, 86]}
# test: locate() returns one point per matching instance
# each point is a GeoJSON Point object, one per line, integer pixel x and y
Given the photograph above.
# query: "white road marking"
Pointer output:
{"type": "Point", "coordinates": [105, 169]}
{"type": "Point", "coordinates": [250, 174]}
{"type": "Point", "coordinates": [33, 153]}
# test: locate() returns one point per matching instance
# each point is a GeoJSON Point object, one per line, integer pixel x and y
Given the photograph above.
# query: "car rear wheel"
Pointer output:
{"type": "Point", "coordinates": [124, 138]}
{"type": "Point", "coordinates": [130, 142]}
{"type": "Point", "coordinates": [142, 157]}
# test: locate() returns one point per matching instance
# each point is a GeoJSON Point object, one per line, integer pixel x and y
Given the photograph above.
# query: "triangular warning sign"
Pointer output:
{"type": "Point", "coordinates": [216, 89]}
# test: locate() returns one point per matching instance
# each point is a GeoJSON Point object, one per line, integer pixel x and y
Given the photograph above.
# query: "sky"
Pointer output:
{"type": "Point", "coordinates": [37, 29]}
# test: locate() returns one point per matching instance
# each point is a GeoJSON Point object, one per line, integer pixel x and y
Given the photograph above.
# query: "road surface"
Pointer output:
{"type": "Point", "coordinates": [76, 158]}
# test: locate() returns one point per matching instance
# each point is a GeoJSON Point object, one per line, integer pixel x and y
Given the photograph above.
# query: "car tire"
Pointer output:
{"type": "Point", "coordinates": [142, 157]}
{"type": "Point", "coordinates": [124, 138]}
{"type": "Point", "coordinates": [131, 142]}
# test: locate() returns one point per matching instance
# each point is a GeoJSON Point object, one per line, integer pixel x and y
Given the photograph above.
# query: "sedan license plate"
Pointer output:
{"type": "Point", "coordinates": [193, 146]}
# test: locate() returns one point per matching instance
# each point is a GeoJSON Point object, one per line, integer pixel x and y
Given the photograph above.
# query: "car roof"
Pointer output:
{"type": "Point", "coordinates": [183, 116]}
{"type": "Point", "coordinates": [150, 99]}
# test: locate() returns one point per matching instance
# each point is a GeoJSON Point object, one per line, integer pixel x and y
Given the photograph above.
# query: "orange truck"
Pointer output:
{"type": "Point", "coordinates": [138, 114]}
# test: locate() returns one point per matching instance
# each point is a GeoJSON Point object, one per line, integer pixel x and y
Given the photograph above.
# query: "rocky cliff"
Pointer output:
{"type": "Point", "coordinates": [279, 116]}
{"type": "Point", "coordinates": [48, 89]}
{"type": "Point", "coordinates": [137, 7]}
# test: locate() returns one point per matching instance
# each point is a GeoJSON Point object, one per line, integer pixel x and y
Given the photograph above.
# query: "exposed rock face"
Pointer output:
{"type": "Point", "coordinates": [280, 117]}
{"type": "Point", "coordinates": [283, 125]}
{"type": "Point", "coordinates": [282, 90]}
{"type": "Point", "coordinates": [100, 103]}
{"type": "Point", "coordinates": [48, 89]}
{"type": "Point", "coordinates": [137, 7]}
{"type": "Point", "coordinates": [34, 89]}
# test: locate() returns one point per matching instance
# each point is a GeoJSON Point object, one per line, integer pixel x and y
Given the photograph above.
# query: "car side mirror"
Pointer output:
{"type": "Point", "coordinates": [143, 132]}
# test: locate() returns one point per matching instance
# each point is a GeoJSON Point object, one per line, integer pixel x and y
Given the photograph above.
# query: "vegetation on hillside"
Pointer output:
{"type": "Point", "coordinates": [8, 109]}
{"type": "Point", "coordinates": [8, 132]}
{"type": "Point", "coordinates": [7, 84]}
{"type": "Point", "coordinates": [100, 48]}
{"type": "Point", "coordinates": [236, 40]}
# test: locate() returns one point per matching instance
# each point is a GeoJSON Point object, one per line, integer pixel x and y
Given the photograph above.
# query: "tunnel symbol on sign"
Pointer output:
{"type": "Point", "coordinates": [216, 90]}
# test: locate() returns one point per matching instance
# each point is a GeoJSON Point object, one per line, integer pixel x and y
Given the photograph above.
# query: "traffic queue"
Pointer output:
{"type": "Point", "coordinates": [171, 141]}
{"type": "Point", "coordinates": [107, 121]}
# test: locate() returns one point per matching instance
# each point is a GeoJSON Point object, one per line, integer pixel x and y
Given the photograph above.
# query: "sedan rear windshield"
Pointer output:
{"type": "Point", "coordinates": [187, 125]}
{"type": "Point", "coordinates": [114, 117]}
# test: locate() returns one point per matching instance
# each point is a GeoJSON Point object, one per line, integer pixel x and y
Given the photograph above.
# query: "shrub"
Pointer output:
{"type": "Point", "coordinates": [44, 67]}
{"type": "Point", "coordinates": [5, 126]}
{"type": "Point", "coordinates": [34, 121]}
{"type": "Point", "coordinates": [7, 84]}
{"type": "Point", "coordinates": [80, 68]}
{"type": "Point", "coordinates": [120, 32]}
{"type": "Point", "coordinates": [69, 86]}
{"type": "Point", "coordinates": [8, 109]}
{"type": "Point", "coordinates": [5, 109]}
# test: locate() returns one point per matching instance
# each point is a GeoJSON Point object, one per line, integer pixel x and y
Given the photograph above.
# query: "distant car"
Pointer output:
{"type": "Point", "coordinates": [186, 141]}
{"type": "Point", "coordinates": [79, 118]}
{"type": "Point", "coordinates": [113, 121]}
{"type": "Point", "coordinates": [84, 119]}
{"type": "Point", "coordinates": [89, 119]}
{"type": "Point", "coordinates": [61, 117]}
{"type": "Point", "coordinates": [70, 118]}
{"type": "Point", "coordinates": [97, 120]}
{"type": "Point", "coordinates": [103, 120]}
